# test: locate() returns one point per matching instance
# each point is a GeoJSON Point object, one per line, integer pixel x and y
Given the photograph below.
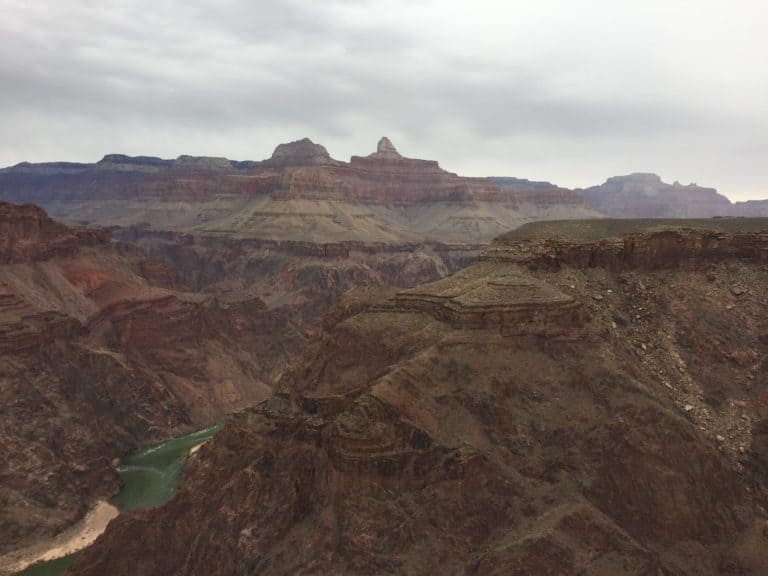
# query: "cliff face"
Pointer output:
{"type": "Point", "coordinates": [300, 193]}
{"type": "Point", "coordinates": [28, 234]}
{"type": "Point", "coordinates": [751, 208]}
{"type": "Point", "coordinates": [595, 404]}
{"type": "Point", "coordinates": [103, 349]}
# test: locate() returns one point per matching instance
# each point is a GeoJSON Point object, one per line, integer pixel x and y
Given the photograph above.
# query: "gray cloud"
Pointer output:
{"type": "Point", "coordinates": [571, 92]}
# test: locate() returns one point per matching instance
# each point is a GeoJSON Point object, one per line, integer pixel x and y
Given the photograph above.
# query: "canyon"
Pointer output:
{"type": "Point", "coordinates": [300, 194]}
{"type": "Point", "coordinates": [297, 229]}
{"type": "Point", "coordinates": [104, 350]}
{"type": "Point", "coordinates": [588, 397]}
{"type": "Point", "coordinates": [419, 372]}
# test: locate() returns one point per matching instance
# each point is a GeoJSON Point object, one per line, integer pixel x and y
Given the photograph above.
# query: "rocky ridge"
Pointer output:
{"type": "Point", "coordinates": [468, 426]}
{"type": "Point", "coordinates": [300, 193]}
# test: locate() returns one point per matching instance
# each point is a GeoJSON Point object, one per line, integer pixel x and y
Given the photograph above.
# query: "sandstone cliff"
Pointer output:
{"type": "Point", "coordinates": [300, 193]}
{"type": "Point", "coordinates": [587, 398]}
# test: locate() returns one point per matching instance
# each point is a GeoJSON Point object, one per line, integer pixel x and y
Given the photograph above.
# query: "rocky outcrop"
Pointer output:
{"type": "Point", "coordinates": [410, 440]}
{"type": "Point", "coordinates": [302, 152]}
{"type": "Point", "coordinates": [28, 234]}
{"type": "Point", "coordinates": [632, 244]}
{"type": "Point", "coordinates": [385, 150]}
{"type": "Point", "coordinates": [499, 298]}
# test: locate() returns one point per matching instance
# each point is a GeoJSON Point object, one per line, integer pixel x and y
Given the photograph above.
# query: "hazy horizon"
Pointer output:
{"type": "Point", "coordinates": [572, 93]}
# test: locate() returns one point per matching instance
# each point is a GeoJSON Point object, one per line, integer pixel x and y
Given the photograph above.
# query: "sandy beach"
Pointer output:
{"type": "Point", "coordinates": [74, 538]}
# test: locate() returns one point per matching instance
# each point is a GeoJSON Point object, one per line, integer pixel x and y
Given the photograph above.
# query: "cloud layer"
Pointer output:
{"type": "Point", "coordinates": [572, 92]}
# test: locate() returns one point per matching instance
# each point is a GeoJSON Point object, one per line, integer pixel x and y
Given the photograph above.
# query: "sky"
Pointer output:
{"type": "Point", "coordinates": [561, 90]}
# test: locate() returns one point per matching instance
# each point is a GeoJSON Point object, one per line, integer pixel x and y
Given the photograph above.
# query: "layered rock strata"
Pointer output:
{"type": "Point", "coordinates": [103, 349]}
{"type": "Point", "coordinates": [643, 195]}
{"type": "Point", "coordinates": [630, 440]}
{"type": "Point", "coordinates": [300, 193]}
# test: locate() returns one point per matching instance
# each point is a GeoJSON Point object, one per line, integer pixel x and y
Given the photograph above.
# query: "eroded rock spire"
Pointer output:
{"type": "Point", "coordinates": [385, 149]}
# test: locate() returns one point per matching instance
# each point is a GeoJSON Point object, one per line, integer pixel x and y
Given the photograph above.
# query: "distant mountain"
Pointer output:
{"type": "Point", "coordinates": [301, 194]}
{"type": "Point", "coordinates": [643, 195]}
{"type": "Point", "coordinates": [521, 184]}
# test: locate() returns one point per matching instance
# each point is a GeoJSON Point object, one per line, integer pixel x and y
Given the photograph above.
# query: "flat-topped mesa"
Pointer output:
{"type": "Point", "coordinates": [27, 234]}
{"type": "Point", "coordinates": [46, 168]}
{"type": "Point", "coordinates": [642, 244]}
{"type": "Point", "coordinates": [302, 152]}
{"type": "Point", "coordinates": [539, 194]}
{"type": "Point", "coordinates": [202, 164]}
{"type": "Point", "coordinates": [496, 296]}
{"type": "Point", "coordinates": [643, 195]}
{"type": "Point", "coordinates": [502, 290]}
{"type": "Point", "coordinates": [141, 164]}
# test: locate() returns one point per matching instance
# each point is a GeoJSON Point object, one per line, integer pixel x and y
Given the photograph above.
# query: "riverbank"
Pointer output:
{"type": "Point", "coordinates": [150, 478]}
{"type": "Point", "coordinates": [73, 539]}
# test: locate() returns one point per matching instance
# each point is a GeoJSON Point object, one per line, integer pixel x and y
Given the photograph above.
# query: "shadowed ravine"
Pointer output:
{"type": "Point", "coordinates": [150, 478]}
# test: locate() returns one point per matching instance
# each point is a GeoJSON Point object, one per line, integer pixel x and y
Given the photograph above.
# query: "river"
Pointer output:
{"type": "Point", "coordinates": [150, 478]}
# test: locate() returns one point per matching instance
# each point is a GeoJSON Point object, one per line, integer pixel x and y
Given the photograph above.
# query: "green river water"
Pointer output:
{"type": "Point", "coordinates": [150, 478]}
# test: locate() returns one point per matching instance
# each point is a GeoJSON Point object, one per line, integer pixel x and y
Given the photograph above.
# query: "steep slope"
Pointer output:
{"type": "Point", "coordinates": [103, 349]}
{"type": "Point", "coordinates": [588, 398]}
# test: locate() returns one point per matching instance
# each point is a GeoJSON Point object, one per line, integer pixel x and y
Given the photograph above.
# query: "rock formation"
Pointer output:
{"type": "Point", "coordinates": [299, 194]}
{"type": "Point", "coordinates": [302, 152]}
{"type": "Point", "coordinates": [587, 398]}
{"type": "Point", "coordinates": [103, 349]}
{"type": "Point", "coordinates": [385, 150]}
{"type": "Point", "coordinates": [297, 229]}
{"type": "Point", "coordinates": [646, 196]}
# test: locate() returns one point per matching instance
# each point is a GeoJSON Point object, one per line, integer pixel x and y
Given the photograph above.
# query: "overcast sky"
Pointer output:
{"type": "Point", "coordinates": [562, 90]}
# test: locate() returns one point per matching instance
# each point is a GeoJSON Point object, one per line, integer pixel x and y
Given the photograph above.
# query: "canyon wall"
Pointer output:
{"type": "Point", "coordinates": [103, 349]}
{"type": "Point", "coordinates": [586, 398]}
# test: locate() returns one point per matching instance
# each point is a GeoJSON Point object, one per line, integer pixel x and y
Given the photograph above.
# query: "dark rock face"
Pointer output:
{"type": "Point", "coordinates": [102, 350]}
{"type": "Point", "coordinates": [414, 439]}
{"type": "Point", "coordinates": [28, 234]}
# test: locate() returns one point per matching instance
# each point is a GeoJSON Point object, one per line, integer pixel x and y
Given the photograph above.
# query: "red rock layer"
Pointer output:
{"type": "Point", "coordinates": [299, 169]}
{"type": "Point", "coordinates": [103, 350]}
